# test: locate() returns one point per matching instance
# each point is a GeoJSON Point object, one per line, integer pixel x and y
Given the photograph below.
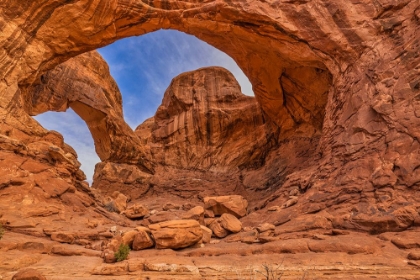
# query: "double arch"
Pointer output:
{"type": "Point", "coordinates": [290, 76]}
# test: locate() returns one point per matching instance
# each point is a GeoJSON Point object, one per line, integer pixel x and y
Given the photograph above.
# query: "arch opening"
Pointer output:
{"type": "Point", "coordinates": [276, 43]}
{"type": "Point", "coordinates": [290, 79]}
{"type": "Point", "coordinates": [141, 84]}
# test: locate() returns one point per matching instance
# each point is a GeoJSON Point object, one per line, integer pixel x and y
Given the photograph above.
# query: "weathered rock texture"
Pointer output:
{"type": "Point", "coordinates": [85, 84]}
{"type": "Point", "coordinates": [338, 83]}
{"type": "Point", "coordinates": [206, 123]}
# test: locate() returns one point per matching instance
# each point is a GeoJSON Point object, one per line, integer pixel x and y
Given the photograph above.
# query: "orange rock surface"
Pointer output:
{"type": "Point", "coordinates": [327, 153]}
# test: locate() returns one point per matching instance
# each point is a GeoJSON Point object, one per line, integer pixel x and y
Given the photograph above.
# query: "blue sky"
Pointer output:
{"type": "Point", "coordinates": [143, 68]}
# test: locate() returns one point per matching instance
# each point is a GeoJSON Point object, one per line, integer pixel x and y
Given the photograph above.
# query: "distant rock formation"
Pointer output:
{"type": "Point", "coordinates": [206, 123]}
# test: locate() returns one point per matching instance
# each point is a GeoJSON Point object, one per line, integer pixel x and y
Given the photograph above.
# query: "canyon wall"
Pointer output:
{"type": "Point", "coordinates": [340, 78]}
{"type": "Point", "coordinates": [343, 72]}
{"type": "Point", "coordinates": [327, 154]}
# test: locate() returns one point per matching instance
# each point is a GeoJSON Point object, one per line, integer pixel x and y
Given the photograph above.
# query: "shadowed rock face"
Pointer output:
{"type": "Point", "coordinates": [338, 80]}
{"type": "Point", "coordinates": [208, 139]}
{"type": "Point", "coordinates": [85, 84]}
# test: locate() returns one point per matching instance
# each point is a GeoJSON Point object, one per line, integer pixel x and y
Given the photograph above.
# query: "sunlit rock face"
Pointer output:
{"type": "Point", "coordinates": [337, 86]}
{"type": "Point", "coordinates": [206, 123]}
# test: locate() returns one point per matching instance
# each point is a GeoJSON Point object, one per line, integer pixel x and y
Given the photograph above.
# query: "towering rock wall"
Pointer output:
{"type": "Point", "coordinates": [363, 53]}
{"type": "Point", "coordinates": [206, 123]}
{"type": "Point", "coordinates": [338, 81]}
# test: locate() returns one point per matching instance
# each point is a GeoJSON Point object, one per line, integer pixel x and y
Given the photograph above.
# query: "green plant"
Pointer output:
{"type": "Point", "coordinates": [122, 253]}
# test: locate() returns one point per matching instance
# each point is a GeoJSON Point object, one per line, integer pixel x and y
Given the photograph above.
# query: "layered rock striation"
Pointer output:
{"type": "Point", "coordinates": [206, 123]}
{"type": "Point", "coordinates": [337, 86]}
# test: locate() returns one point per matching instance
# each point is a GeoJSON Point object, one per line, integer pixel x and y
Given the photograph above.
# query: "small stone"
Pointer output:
{"type": "Point", "coordinates": [266, 227]}
{"type": "Point", "coordinates": [274, 208]}
{"type": "Point", "coordinates": [294, 192]}
{"type": "Point", "coordinates": [415, 256]}
{"type": "Point", "coordinates": [290, 202]}
{"type": "Point", "coordinates": [208, 214]}
{"type": "Point", "coordinates": [171, 206]}
{"type": "Point", "coordinates": [136, 211]}
{"type": "Point", "coordinates": [108, 256]}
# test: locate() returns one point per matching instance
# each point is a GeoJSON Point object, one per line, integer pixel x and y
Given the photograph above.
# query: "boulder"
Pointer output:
{"type": "Point", "coordinates": [208, 221]}
{"type": "Point", "coordinates": [136, 211]}
{"type": "Point", "coordinates": [217, 229]}
{"type": "Point", "coordinates": [120, 201]}
{"type": "Point", "coordinates": [128, 237]}
{"type": "Point", "coordinates": [232, 204]}
{"type": "Point", "coordinates": [207, 233]}
{"type": "Point", "coordinates": [196, 213]}
{"type": "Point", "coordinates": [115, 243]}
{"type": "Point", "coordinates": [142, 240]}
{"type": "Point", "coordinates": [116, 203]}
{"type": "Point", "coordinates": [29, 274]}
{"type": "Point", "coordinates": [176, 234]}
{"type": "Point", "coordinates": [230, 223]}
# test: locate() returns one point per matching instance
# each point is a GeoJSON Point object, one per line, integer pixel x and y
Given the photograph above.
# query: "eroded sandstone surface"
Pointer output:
{"type": "Point", "coordinates": [326, 155]}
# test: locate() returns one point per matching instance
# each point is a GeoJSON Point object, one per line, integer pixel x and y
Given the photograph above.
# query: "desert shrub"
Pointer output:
{"type": "Point", "coordinates": [122, 253]}
{"type": "Point", "coordinates": [1, 231]}
{"type": "Point", "coordinates": [272, 271]}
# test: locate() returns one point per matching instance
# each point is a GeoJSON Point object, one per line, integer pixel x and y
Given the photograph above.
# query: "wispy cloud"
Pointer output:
{"type": "Point", "coordinates": [143, 68]}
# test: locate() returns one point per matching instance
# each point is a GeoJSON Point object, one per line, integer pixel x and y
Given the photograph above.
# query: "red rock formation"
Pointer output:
{"type": "Point", "coordinates": [206, 123]}
{"type": "Point", "coordinates": [354, 168]}
{"type": "Point", "coordinates": [85, 84]}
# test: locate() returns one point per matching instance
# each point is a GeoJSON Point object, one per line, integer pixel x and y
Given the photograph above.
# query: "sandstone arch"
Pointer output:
{"type": "Point", "coordinates": [85, 85]}
{"type": "Point", "coordinates": [278, 54]}
{"type": "Point", "coordinates": [370, 49]}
